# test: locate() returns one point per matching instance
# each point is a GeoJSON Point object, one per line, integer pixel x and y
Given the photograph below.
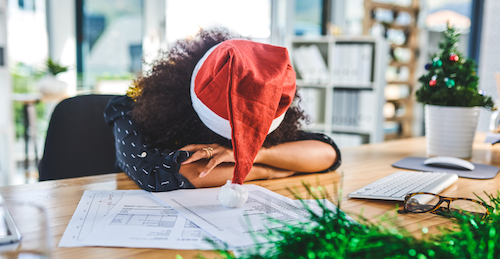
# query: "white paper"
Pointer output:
{"type": "Point", "coordinates": [311, 204]}
{"type": "Point", "coordinates": [92, 208]}
{"type": "Point", "coordinates": [492, 138]}
{"type": "Point", "coordinates": [236, 227]}
{"type": "Point", "coordinates": [141, 220]}
{"type": "Point", "coordinates": [102, 213]}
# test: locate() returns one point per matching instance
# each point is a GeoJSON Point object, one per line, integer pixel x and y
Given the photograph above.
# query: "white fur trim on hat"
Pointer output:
{"type": "Point", "coordinates": [233, 195]}
{"type": "Point", "coordinates": [213, 121]}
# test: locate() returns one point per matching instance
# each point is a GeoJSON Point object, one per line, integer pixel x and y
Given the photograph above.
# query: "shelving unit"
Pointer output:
{"type": "Point", "coordinates": [402, 117]}
{"type": "Point", "coordinates": [345, 101]}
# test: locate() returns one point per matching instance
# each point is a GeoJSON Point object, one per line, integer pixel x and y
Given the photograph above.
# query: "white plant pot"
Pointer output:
{"type": "Point", "coordinates": [450, 131]}
{"type": "Point", "coordinates": [51, 88]}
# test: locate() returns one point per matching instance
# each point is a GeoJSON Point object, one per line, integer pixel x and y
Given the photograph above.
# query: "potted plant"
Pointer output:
{"type": "Point", "coordinates": [452, 99]}
{"type": "Point", "coordinates": [49, 86]}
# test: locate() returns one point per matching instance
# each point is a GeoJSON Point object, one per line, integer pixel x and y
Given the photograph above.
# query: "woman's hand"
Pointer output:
{"type": "Point", "coordinates": [216, 154]}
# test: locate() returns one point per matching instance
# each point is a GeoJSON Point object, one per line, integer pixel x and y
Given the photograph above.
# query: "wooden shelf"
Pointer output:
{"type": "Point", "coordinates": [391, 26]}
{"type": "Point", "coordinates": [407, 45]}
{"type": "Point", "coordinates": [357, 86]}
{"type": "Point", "coordinates": [406, 120]}
{"type": "Point", "coordinates": [399, 64]}
{"type": "Point", "coordinates": [400, 83]}
{"type": "Point", "coordinates": [302, 83]}
{"type": "Point", "coordinates": [347, 129]}
{"type": "Point", "coordinates": [408, 9]}
{"type": "Point", "coordinates": [400, 100]}
{"type": "Point", "coordinates": [398, 119]}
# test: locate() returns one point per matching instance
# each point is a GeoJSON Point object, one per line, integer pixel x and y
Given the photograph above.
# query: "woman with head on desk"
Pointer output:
{"type": "Point", "coordinates": [215, 106]}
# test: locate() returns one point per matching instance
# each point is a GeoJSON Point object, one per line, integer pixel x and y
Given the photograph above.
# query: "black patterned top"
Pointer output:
{"type": "Point", "coordinates": [154, 169]}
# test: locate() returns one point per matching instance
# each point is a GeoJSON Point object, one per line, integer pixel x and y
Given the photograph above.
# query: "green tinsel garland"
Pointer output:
{"type": "Point", "coordinates": [332, 235]}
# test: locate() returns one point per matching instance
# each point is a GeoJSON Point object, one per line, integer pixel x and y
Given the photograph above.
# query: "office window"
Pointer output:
{"type": "Point", "coordinates": [248, 18]}
{"type": "Point", "coordinates": [109, 47]}
{"type": "Point", "coordinates": [27, 5]}
{"type": "Point", "coordinates": [308, 17]}
{"type": "Point", "coordinates": [458, 13]}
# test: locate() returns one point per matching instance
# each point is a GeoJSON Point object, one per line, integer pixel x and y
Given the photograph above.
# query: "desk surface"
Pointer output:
{"type": "Point", "coordinates": [361, 165]}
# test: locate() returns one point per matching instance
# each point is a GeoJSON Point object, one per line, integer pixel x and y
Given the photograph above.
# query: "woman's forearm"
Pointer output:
{"type": "Point", "coordinates": [224, 172]}
{"type": "Point", "coordinates": [305, 156]}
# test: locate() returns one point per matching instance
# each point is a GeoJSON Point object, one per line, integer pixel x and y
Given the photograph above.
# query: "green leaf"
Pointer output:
{"type": "Point", "coordinates": [54, 68]}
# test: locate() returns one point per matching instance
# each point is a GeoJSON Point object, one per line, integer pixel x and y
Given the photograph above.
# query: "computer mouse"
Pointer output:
{"type": "Point", "coordinates": [449, 162]}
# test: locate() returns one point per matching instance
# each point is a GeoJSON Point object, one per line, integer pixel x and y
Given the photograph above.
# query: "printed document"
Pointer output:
{"type": "Point", "coordinates": [141, 220]}
{"type": "Point", "coordinates": [137, 218]}
{"type": "Point", "coordinates": [148, 223]}
{"type": "Point", "coordinates": [240, 226]}
{"type": "Point", "coordinates": [92, 208]}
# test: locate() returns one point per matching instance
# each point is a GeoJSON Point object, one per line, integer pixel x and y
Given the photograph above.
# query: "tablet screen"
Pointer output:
{"type": "Point", "coordinates": [4, 229]}
{"type": "Point", "coordinates": [8, 230]}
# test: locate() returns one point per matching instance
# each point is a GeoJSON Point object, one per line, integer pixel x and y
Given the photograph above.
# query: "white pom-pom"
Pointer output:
{"type": "Point", "coordinates": [233, 195]}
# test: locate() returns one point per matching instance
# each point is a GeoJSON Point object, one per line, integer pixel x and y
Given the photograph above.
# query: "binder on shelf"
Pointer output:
{"type": "Point", "coordinates": [366, 63]}
{"type": "Point", "coordinates": [350, 108]}
{"type": "Point", "coordinates": [311, 103]}
{"type": "Point", "coordinates": [337, 104]}
{"type": "Point", "coordinates": [301, 63]}
{"type": "Point", "coordinates": [352, 65]}
{"type": "Point", "coordinates": [310, 64]}
{"type": "Point", "coordinates": [336, 63]}
{"type": "Point", "coordinates": [342, 108]}
{"type": "Point", "coordinates": [356, 109]}
{"type": "Point", "coordinates": [353, 108]}
{"type": "Point", "coordinates": [344, 53]}
{"type": "Point", "coordinates": [306, 103]}
{"type": "Point", "coordinates": [320, 70]}
{"type": "Point", "coordinates": [355, 105]}
{"type": "Point", "coordinates": [342, 66]}
{"type": "Point", "coordinates": [366, 116]}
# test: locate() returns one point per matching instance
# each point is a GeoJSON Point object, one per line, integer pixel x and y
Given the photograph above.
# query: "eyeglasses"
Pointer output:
{"type": "Point", "coordinates": [422, 202]}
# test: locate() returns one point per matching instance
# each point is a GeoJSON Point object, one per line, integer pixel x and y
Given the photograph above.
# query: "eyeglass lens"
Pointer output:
{"type": "Point", "coordinates": [465, 205]}
{"type": "Point", "coordinates": [426, 202]}
{"type": "Point", "coordinates": [421, 203]}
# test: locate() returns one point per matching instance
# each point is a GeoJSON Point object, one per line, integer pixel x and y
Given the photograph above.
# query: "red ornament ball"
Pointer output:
{"type": "Point", "coordinates": [432, 82]}
{"type": "Point", "coordinates": [454, 57]}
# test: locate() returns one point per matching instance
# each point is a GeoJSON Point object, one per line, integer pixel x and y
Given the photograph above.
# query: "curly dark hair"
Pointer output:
{"type": "Point", "coordinates": [164, 107]}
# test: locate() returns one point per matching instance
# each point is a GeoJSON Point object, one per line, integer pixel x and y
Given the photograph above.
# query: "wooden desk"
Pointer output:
{"type": "Point", "coordinates": [361, 165]}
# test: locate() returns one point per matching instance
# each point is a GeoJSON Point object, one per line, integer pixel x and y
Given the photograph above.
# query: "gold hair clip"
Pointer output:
{"type": "Point", "coordinates": [134, 91]}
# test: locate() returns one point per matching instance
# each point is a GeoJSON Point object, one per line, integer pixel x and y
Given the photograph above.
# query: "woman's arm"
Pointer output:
{"type": "Point", "coordinates": [298, 156]}
{"type": "Point", "coordinates": [224, 171]}
{"type": "Point", "coordinates": [305, 156]}
{"type": "Point", "coordinates": [152, 169]}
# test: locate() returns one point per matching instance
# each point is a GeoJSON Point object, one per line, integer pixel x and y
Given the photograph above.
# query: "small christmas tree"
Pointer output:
{"type": "Point", "coordinates": [452, 79]}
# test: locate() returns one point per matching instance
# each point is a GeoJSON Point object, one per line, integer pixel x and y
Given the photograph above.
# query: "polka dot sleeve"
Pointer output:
{"type": "Point", "coordinates": [152, 169]}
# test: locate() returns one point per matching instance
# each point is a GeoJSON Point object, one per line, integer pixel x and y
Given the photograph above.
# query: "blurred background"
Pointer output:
{"type": "Point", "coordinates": [54, 49]}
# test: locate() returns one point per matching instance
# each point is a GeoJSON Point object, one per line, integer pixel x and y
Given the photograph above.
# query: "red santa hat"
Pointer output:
{"type": "Point", "coordinates": [241, 90]}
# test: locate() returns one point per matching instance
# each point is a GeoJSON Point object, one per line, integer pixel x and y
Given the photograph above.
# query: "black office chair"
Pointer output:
{"type": "Point", "coordinates": [79, 142]}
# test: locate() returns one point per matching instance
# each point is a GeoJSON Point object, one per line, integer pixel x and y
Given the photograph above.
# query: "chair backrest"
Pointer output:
{"type": "Point", "coordinates": [79, 142]}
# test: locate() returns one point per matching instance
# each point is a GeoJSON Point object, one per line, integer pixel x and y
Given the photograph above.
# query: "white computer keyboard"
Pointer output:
{"type": "Point", "coordinates": [397, 185]}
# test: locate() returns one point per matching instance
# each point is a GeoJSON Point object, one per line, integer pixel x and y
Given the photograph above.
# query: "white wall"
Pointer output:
{"type": "Point", "coordinates": [489, 61]}
{"type": "Point", "coordinates": [61, 27]}
{"type": "Point", "coordinates": [7, 164]}
{"type": "Point", "coordinates": [154, 29]}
